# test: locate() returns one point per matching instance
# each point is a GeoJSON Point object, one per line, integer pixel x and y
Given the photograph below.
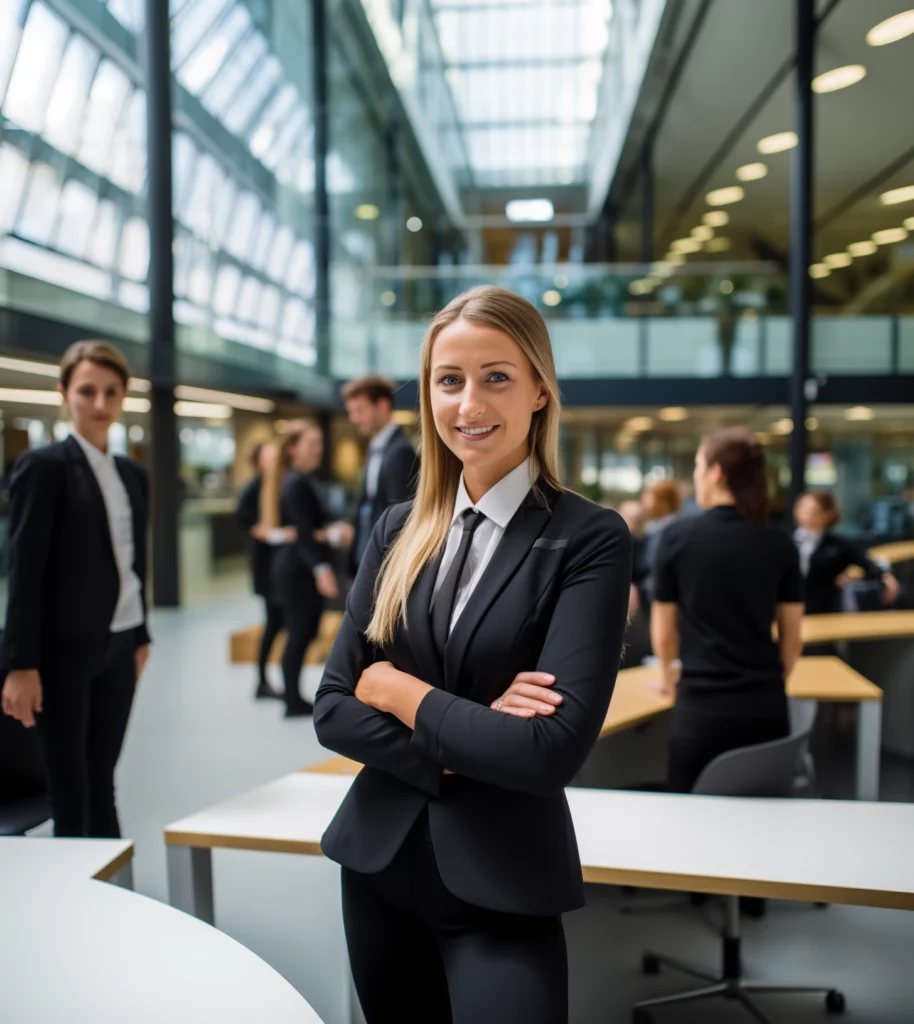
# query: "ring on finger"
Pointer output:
{"type": "Point", "coordinates": [499, 703]}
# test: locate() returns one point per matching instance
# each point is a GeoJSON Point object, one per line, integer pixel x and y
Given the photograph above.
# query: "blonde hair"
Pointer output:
{"type": "Point", "coordinates": [277, 469]}
{"type": "Point", "coordinates": [426, 528]}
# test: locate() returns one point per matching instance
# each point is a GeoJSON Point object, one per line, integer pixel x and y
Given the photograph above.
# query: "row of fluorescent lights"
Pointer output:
{"type": "Point", "coordinates": [855, 414]}
{"type": "Point", "coordinates": [369, 211]}
{"type": "Point", "coordinates": [888, 236]}
{"type": "Point", "coordinates": [185, 410]}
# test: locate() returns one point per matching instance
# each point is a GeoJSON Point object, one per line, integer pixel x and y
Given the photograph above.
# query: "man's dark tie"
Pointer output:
{"type": "Point", "coordinates": [443, 608]}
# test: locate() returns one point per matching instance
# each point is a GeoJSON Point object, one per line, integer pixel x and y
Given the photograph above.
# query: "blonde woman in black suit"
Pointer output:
{"type": "Point", "coordinates": [471, 674]}
{"type": "Point", "coordinates": [76, 640]}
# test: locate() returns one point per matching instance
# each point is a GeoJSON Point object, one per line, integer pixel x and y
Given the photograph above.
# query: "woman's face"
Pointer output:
{"type": "Point", "coordinates": [484, 392]}
{"type": "Point", "coordinates": [94, 399]}
{"type": "Point", "coordinates": [308, 450]}
{"type": "Point", "coordinates": [810, 516]}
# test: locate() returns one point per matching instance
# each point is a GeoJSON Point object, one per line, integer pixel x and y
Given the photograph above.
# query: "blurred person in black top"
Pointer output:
{"type": "Point", "coordinates": [302, 576]}
{"type": "Point", "coordinates": [661, 505]}
{"type": "Point", "coordinates": [825, 557]}
{"type": "Point", "coordinates": [264, 542]}
{"type": "Point", "coordinates": [722, 579]}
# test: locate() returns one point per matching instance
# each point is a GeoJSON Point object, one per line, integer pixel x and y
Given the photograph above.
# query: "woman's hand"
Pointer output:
{"type": "Point", "coordinates": [22, 696]}
{"type": "Point", "coordinates": [529, 695]}
{"type": "Point", "coordinates": [890, 589]}
{"type": "Point", "coordinates": [142, 656]}
{"type": "Point", "coordinates": [326, 584]}
{"type": "Point", "coordinates": [386, 688]}
{"type": "Point", "coordinates": [374, 683]}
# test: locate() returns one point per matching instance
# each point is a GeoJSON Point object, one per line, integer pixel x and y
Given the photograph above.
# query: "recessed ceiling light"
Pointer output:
{"type": "Point", "coordinates": [686, 245]}
{"type": "Point", "coordinates": [674, 414]}
{"type": "Point", "coordinates": [909, 223]}
{"type": "Point", "coordinates": [725, 196]}
{"type": "Point", "coordinates": [639, 423]}
{"type": "Point", "coordinates": [859, 413]}
{"type": "Point", "coordinates": [777, 143]}
{"type": "Point", "coordinates": [866, 248]}
{"type": "Point", "coordinates": [784, 426]}
{"type": "Point", "coordinates": [703, 233]}
{"type": "Point", "coordinates": [889, 236]}
{"type": "Point", "coordinates": [837, 260]}
{"type": "Point", "coordinates": [552, 297]}
{"type": "Point", "coordinates": [388, 298]}
{"type": "Point", "coordinates": [367, 211]}
{"type": "Point", "coordinates": [414, 224]}
{"type": "Point", "coordinates": [640, 287]}
{"type": "Point", "coordinates": [897, 195]}
{"type": "Point", "coordinates": [751, 172]}
{"type": "Point", "coordinates": [719, 244]}
{"type": "Point", "coordinates": [892, 29]}
{"type": "Point", "coordinates": [839, 78]}
{"type": "Point", "coordinates": [716, 218]}
{"type": "Point", "coordinates": [812, 423]}
{"type": "Point", "coordinates": [530, 210]}
{"type": "Point", "coordinates": [818, 270]}
{"type": "Point", "coordinates": [676, 259]}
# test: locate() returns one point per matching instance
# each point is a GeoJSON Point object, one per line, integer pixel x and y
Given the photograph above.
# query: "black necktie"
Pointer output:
{"type": "Point", "coordinates": [443, 608]}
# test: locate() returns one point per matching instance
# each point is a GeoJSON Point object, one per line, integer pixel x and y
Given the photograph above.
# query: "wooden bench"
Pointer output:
{"type": "Point", "coordinates": [244, 645]}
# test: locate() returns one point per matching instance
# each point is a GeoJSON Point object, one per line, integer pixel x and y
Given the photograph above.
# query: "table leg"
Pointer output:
{"type": "Point", "coordinates": [124, 877]}
{"type": "Point", "coordinates": [869, 748]}
{"type": "Point", "coordinates": [190, 881]}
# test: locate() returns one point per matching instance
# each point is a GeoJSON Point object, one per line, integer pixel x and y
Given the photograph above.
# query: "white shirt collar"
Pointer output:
{"type": "Point", "coordinates": [500, 502]}
{"type": "Point", "coordinates": [379, 441]}
{"type": "Point", "coordinates": [95, 455]}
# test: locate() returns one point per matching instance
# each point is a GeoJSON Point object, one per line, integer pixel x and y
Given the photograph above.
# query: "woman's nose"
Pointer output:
{"type": "Point", "coordinates": [471, 404]}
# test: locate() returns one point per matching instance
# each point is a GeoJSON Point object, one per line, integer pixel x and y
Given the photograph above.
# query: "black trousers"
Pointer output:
{"type": "Point", "coordinates": [81, 731]}
{"type": "Point", "coordinates": [421, 955]}
{"type": "Point", "coordinates": [706, 725]}
{"type": "Point", "coordinates": [272, 627]}
{"type": "Point", "coordinates": [302, 618]}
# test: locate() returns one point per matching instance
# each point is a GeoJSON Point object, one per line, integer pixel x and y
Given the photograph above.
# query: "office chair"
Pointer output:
{"type": "Point", "coordinates": [762, 770]}
{"type": "Point", "coordinates": [23, 785]}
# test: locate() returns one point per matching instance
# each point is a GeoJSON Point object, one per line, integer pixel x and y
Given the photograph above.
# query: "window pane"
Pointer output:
{"type": "Point", "coordinates": [279, 254]}
{"type": "Point", "coordinates": [226, 293]}
{"type": "Point", "coordinates": [269, 308]}
{"type": "Point", "coordinates": [103, 242]}
{"type": "Point", "coordinates": [13, 171]}
{"type": "Point", "coordinates": [40, 210]}
{"type": "Point", "coordinates": [134, 256]}
{"type": "Point", "coordinates": [103, 113]}
{"type": "Point", "coordinates": [233, 73]}
{"type": "Point", "coordinates": [190, 25]}
{"type": "Point", "coordinates": [36, 66]}
{"type": "Point", "coordinates": [71, 91]}
{"type": "Point", "coordinates": [262, 244]}
{"type": "Point", "coordinates": [204, 64]}
{"type": "Point", "coordinates": [128, 165]}
{"type": "Point", "coordinates": [10, 32]}
{"type": "Point", "coordinates": [201, 275]}
{"type": "Point", "coordinates": [269, 124]}
{"type": "Point", "coordinates": [250, 293]}
{"type": "Point", "coordinates": [184, 154]}
{"type": "Point", "coordinates": [265, 78]}
{"type": "Point", "coordinates": [182, 258]}
{"type": "Point", "coordinates": [128, 12]}
{"type": "Point", "coordinates": [238, 241]}
{"type": "Point", "coordinates": [77, 208]}
{"type": "Point", "coordinates": [225, 204]}
{"type": "Point", "coordinates": [206, 186]}
{"type": "Point", "coordinates": [300, 279]}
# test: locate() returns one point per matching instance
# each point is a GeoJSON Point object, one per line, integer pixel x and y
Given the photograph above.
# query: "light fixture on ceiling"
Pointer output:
{"type": "Point", "coordinates": [726, 287]}
{"type": "Point", "coordinates": [897, 195]}
{"type": "Point", "coordinates": [909, 224]}
{"type": "Point", "coordinates": [532, 211]}
{"type": "Point", "coordinates": [640, 287]}
{"type": "Point", "coordinates": [203, 410]}
{"type": "Point", "coordinates": [837, 260]}
{"type": "Point", "coordinates": [716, 218]}
{"type": "Point", "coordinates": [777, 143]}
{"type": "Point", "coordinates": [246, 402]}
{"type": "Point", "coordinates": [859, 414]}
{"type": "Point", "coordinates": [866, 248]}
{"type": "Point", "coordinates": [552, 297]}
{"type": "Point", "coordinates": [719, 244]}
{"type": "Point", "coordinates": [892, 29]}
{"type": "Point", "coordinates": [141, 405]}
{"type": "Point", "coordinates": [28, 366]}
{"type": "Point", "coordinates": [414, 224]}
{"type": "Point", "coordinates": [388, 298]}
{"type": "Point", "coordinates": [662, 269]}
{"type": "Point", "coordinates": [703, 233]}
{"type": "Point", "coordinates": [367, 211]}
{"type": "Point", "coordinates": [889, 236]}
{"type": "Point", "coordinates": [682, 245]}
{"type": "Point", "coordinates": [674, 414]}
{"type": "Point", "coordinates": [839, 78]}
{"type": "Point", "coordinates": [725, 196]}
{"type": "Point", "coordinates": [818, 270]}
{"type": "Point", "coordinates": [782, 426]}
{"type": "Point", "coordinates": [560, 281]}
{"type": "Point", "coordinates": [812, 423]}
{"type": "Point", "coordinates": [639, 423]}
{"type": "Point", "coordinates": [29, 396]}
{"type": "Point", "coordinates": [676, 259]}
{"type": "Point", "coordinates": [752, 172]}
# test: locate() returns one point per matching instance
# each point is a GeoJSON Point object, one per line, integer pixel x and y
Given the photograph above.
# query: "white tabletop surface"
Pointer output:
{"type": "Point", "coordinates": [81, 951]}
{"type": "Point", "coordinates": [844, 851]}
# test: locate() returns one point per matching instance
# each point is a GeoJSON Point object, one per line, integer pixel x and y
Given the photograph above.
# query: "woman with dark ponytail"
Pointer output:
{"type": "Point", "coordinates": [722, 579]}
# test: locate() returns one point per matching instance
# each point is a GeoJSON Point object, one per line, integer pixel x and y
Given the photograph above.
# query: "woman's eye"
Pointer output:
{"type": "Point", "coordinates": [499, 377]}
{"type": "Point", "coordinates": [449, 380]}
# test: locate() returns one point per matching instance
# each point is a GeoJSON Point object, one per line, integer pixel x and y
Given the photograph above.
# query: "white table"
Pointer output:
{"type": "Point", "coordinates": [77, 950]}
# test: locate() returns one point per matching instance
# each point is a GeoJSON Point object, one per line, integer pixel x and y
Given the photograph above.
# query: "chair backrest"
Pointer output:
{"type": "Point", "coordinates": [802, 715]}
{"type": "Point", "coordinates": [764, 769]}
{"type": "Point", "coordinates": [22, 773]}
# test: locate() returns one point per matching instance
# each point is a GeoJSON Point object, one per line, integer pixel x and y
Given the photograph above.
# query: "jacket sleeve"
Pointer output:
{"type": "Point", "coordinates": [307, 516]}
{"type": "Point", "coordinates": [342, 722]}
{"type": "Point", "coordinates": [140, 560]}
{"type": "Point", "coordinates": [34, 498]}
{"type": "Point", "coordinates": [401, 474]}
{"type": "Point", "coordinates": [248, 512]}
{"type": "Point", "coordinates": [583, 648]}
{"type": "Point", "coordinates": [855, 555]}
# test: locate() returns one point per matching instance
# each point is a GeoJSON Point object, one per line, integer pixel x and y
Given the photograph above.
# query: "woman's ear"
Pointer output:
{"type": "Point", "coordinates": [541, 399]}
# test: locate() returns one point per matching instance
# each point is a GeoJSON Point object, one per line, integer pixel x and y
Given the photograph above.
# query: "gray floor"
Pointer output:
{"type": "Point", "coordinates": [197, 737]}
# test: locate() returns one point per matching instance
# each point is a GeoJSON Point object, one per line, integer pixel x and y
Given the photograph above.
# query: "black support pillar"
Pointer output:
{"type": "Point", "coordinates": [165, 452]}
{"type": "Point", "coordinates": [647, 202]}
{"type": "Point", "coordinates": [801, 231]}
{"type": "Point", "coordinates": [321, 90]}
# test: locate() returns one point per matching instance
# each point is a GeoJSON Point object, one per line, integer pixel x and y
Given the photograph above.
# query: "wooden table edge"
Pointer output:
{"type": "Point", "coordinates": [263, 844]}
{"type": "Point", "coordinates": [108, 872]}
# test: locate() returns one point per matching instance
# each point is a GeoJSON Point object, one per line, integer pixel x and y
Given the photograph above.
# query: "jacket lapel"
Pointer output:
{"type": "Point", "coordinates": [419, 623]}
{"type": "Point", "coordinates": [92, 490]}
{"type": "Point", "coordinates": [528, 523]}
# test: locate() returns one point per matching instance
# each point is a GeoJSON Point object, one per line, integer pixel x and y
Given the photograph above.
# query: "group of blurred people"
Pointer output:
{"type": "Point", "coordinates": [293, 537]}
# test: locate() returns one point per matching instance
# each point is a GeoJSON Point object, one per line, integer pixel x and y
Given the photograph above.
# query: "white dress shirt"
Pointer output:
{"type": "Point", "coordinates": [375, 457]}
{"type": "Point", "coordinates": [807, 541]}
{"type": "Point", "coordinates": [128, 613]}
{"type": "Point", "coordinates": [498, 505]}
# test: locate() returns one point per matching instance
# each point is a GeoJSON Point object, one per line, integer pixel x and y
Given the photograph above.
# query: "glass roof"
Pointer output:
{"type": "Point", "coordinates": [525, 75]}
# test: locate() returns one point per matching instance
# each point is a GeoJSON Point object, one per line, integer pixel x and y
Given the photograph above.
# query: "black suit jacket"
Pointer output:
{"type": "Point", "coordinates": [248, 515]}
{"type": "Point", "coordinates": [64, 582]}
{"type": "Point", "coordinates": [396, 483]}
{"type": "Point", "coordinates": [300, 505]}
{"type": "Point", "coordinates": [554, 599]}
{"type": "Point", "coordinates": [831, 558]}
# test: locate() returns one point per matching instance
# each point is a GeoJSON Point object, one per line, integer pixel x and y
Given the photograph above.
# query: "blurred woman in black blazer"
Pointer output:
{"type": "Point", "coordinates": [471, 674]}
{"type": "Point", "coordinates": [264, 542]}
{"type": "Point", "coordinates": [302, 576]}
{"type": "Point", "coordinates": [825, 557]}
{"type": "Point", "coordinates": [76, 640]}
